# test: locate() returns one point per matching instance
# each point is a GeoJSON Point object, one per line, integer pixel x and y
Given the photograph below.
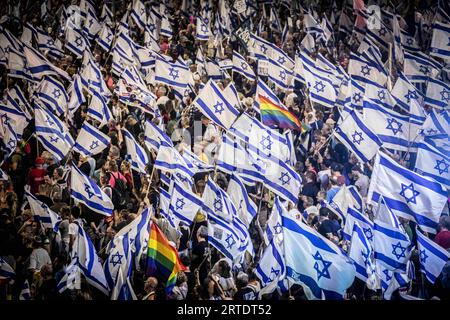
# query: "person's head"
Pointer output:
{"type": "Point", "coordinates": [39, 162]}
{"type": "Point", "coordinates": [241, 280]}
{"type": "Point", "coordinates": [150, 284]}
{"type": "Point", "coordinates": [444, 223]}
{"type": "Point", "coordinates": [310, 176]}
{"type": "Point", "coordinates": [75, 212]}
{"type": "Point", "coordinates": [356, 172]}
{"type": "Point", "coordinates": [125, 166]}
{"type": "Point", "coordinates": [224, 269]}
{"type": "Point", "coordinates": [307, 201]}
{"type": "Point", "coordinates": [321, 196]}
{"type": "Point", "coordinates": [324, 212]}
{"type": "Point", "coordinates": [205, 120]}
{"type": "Point", "coordinates": [112, 165]}
{"type": "Point", "coordinates": [202, 233]}
{"type": "Point", "coordinates": [58, 173]}
{"type": "Point", "coordinates": [114, 153]}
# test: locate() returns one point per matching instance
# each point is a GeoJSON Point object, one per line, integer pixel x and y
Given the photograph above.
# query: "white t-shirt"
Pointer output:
{"type": "Point", "coordinates": [39, 257]}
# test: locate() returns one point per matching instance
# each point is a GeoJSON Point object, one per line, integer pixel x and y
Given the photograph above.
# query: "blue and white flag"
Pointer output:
{"type": "Point", "coordinates": [195, 163]}
{"type": "Point", "coordinates": [245, 206]}
{"type": "Point", "coordinates": [119, 260]}
{"type": "Point", "coordinates": [91, 25]}
{"type": "Point", "coordinates": [42, 213]}
{"type": "Point", "coordinates": [171, 74]}
{"type": "Point", "coordinates": [166, 27]}
{"type": "Point", "coordinates": [91, 77]}
{"type": "Point", "coordinates": [184, 204]}
{"type": "Point", "coordinates": [123, 290]}
{"type": "Point", "coordinates": [271, 268]}
{"type": "Point", "coordinates": [47, 45]}
{"type": "Point", "coordinates": [365, 71]}
{"type": "Point", "coordinates": [139, 14]}
{"type": "Point", "coordinates": [105, 37]}
{"type": "Point", "coordinates": [279, 75]}
{"type": "Point", "coordinates": [154, 135]}
{"type": "Point", "coordinates": [432, 163]}
{"type": "Point", "coordinates": [6, 271]}
{"type": "Point", "coordinates": [87, 260]}
{"type": "Point", "coordinates": [440, 45]}
{"type": "Point", "coordinates": [90, 140]}
{"type": "Point", "coordinates": [392, 246]}
{"type": "Point", "coordinates": [405, 93]}
{"type": "Point", "coordinates": [16, 65]}
{"type": "Point", "coordinates": [260, 48]}
{"type": "Point", "coordinates": [16, 94]}
{"type": "Point", "coordinates": [135, 153]}
{"type": "Point", "coordinates": [432, 257]}
{"type": "Point", "coordinates": [25, 293]}
{"type": "Point", "coordinates": [106, 16]}
{"type": "Point", "coordinates": [202, 29]}
{"type": "Point", "coordinates": [438, 94]}
{"type": "Point", "coordinates": [361, 252]}
{"type": "Point", "coordinates": [418, 67]}
{"type": "Point", "coordinates": [52, 94]}
{"type": "Point", "coordinates": [357, 137]}
{"type": "Point", "coordinates": [355, 217]}
{"type": "Point", "coordinates": [52, 133]}
{"type": "Point", "coordinates": [213, 104]}
{"type": "Point", "coordinates": [170, 160]}
{"type": "Point", "coordinates": [436, 123]}
{"type": "Point", "coordinates": [76, 42]}
{"type": "Point", "coordinates": [77, 97]}
{"type": "Point", "coordinates": [9, 137]}
{"type": "Point", "coordinates": [98, 109]}
{"type": "Point", "coordinates": [241, 66]}
{"type": "Point", "coordinates": [38, 66]}
{"type": "Point", "coordinates": [408, 194]}
{"type": "Point", "coordinates": [315, 262]}
{"type": "Point", "coordinates": [11, 113]}
{"type": "Point", "coordinates": [86, 191]}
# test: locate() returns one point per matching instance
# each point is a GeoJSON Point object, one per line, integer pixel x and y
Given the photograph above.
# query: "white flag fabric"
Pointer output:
{"type": "Point", "coordinates": [433, 163]}
{"type": "Point", "coordinates": [43, 213]}
{"type": "Point", "coordinates": [440, 45]}
{"type": "Point", "coordinates": [241, 66]}
{"type": "Point", "coordinates": [135, 153]}
{"type": "Point", "coordinates": [90, 140]}
{"type": "Point", "coordinates": [184, 204]}
{"type": "Point", "coordinates": [52, 94]}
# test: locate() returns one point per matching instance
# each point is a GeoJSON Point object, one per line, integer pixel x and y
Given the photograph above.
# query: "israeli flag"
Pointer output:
{"type": "Point", "coordinates": [9, 138]}
{"type": "Point", "coordinates": [195, 163]}
{"type": "Point", "coordinates": [379, 95]}
{"type": "Point", "coordinates": [419, 66]}
{"type": "Point", "coordinates": [361, 252]}
{"type": "Point", "coordinates": [321, 87]}
{"type": "Point", "coordinates": [90, 140]}
{"type": "Point", "coordinates": [406, 94]}
{"type": "Point", "coordinates": [19, 99]}
{"type": "Point", "coordinates": [76, 94]}
{"type": "Point", "coordinates": [118, 260]}
{"type": "Point", "coordinates": [154, 135]}
{"type": "Point", "coordinates": [91, 25]}
{"type": "Point", "coordinates": [16, 65]}
{"type": "Point", "coordinates": [6, 271]}
{"type": "Point", "coordinates": [184, 204]}
{"type": "Point", "coordinates": [38, 66]}
{"type": "Point", "coordinates": [170, 160]}
{"type": "Point", "coordinates": [315, 262]}
{"type": "Point", "coordinates": [279, 75]}
{"type": "Point", "coordinates": [203, 29]}
{"type": "Point", "coordinates": [392, 247]}
{"type": "Point", "coordinates": [440, 46]}
{"type": "Point", "coordinates": [25, 293]}
{"type": "Point", "coordinates": [98, 109]}
{"type": "Point", "coordinates": [106, 15]}
{"type": "Point", "coordinates": [171, 74]}
{"type": "Point", "coordinates": [274, 228]}
{"type": "Point", "coordinates": [245, 206]}
{"type": "Point", "coordinates": [76, 41]}
{"type": "Point", "coordinates": [432, 163]}
{"type": "Point", "coordinates": [432, 257]}
{"type": "Point", "coordinates": [87, 260]}
{"type": "Point", "coordinates": [139, 14]}
{"type": "Point", "coordinates": [42, 213]}
{"type": "Point", "coordinates": [12, 113]}
{"type": "Point", "coordinates": [241, 66]}
{"type": "Point", "coordinates": [105, 37]}
{"type": "Point", "coordinates": [166, 27]}
{"type": "Point", "coordinates": [438, 94]}
{"type": "Point", "coordinates": [357, 137]}
{"type": "Point", "coordinates": [298, 71]}
{"type": "Point", "coordinates": [135, 153]}
{"type": "Point", "coordinates": [123, 290]}
{"type": "Point", "coordinates": [53, 95]}
{"type": "Point", "coordinates": [86, 191]}
{"type": "Point", "coordinates": [271, 269]}
{"type": "Point", "coordinates": [212, 103]}
{"type": "Point", "coordinates": [436, 123]}
{"type": "Point", "coordinates": [52, 133]}
{"type": "Point", "coordinates": [355, 217]}
{"type": "Point", "coordinates": [260, 48]}
{"type": "Point", "coordinates": [281, 58]}
{"type": "Point", "coordinates": [407, 193]}
{"type": "Point", "coordinates": [365, 71]}
{"type": "Point", "coordinates": [47, 45]}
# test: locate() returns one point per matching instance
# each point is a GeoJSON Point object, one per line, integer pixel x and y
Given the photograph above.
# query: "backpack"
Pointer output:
{"type": "Point", "coordinates": [119, 193]}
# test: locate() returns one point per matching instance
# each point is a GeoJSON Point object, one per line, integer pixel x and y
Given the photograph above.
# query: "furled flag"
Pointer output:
{"type": "Point", "coordinates": [52, 94]}
{"type": "Point", "coordinates": [357, 137]}
{"type": "Point", "coordinates": [271, 269]}
{"type": "Point", "coordinates": [432, 257]}
{"type": "Point", "coordinates": [87, 260]}
{"type": "Point", "coordinates": [432, 163]}
{"type": "Point", "coordinates": [440, 44]}
{"type": "Point", "coordinates": [408, 194]}
{"type": "Point", "coordinates": [245, 206]}
{"type": "Point", "coordinates": [105, 37]}
{"type": "Point", "coordinates": [77, 97]}
{"type": "Point", "coordinates": [166, 27]}
{"type": "Point", "coordinates": [184, 204]}
{"type": "Point", "coordinates": [241, 66]}
{"type": "Point", "coordinates": [392, 246]}
{"type": "Point", "coordinates": [170, 160]}
{"type": "Point", "coordinates": [212, 103]}
{"type": "Point", "coordinates": [123, 290]}
{"type": "Point", "coordinates": [52, 133]}
{"type": "Point", "coordinates": [438, 94]}
{"type": "Point", "coordinates": [106, 16]}
{"type": "Point", "coordinates": [163, 261]}
{"type": "Point", "coordinates": [315, 262]}
{"type": "Point", "coordinates": [355, 217]}
{"type": "Point", "coordinates": [135, 153]}
{"type": "Point", "coordinates": [86, 191]}
{"type": "Point", "coordinates": [90, 140]}
{"type": "Point", "coordinates": [171, 74]}
{"type": "Point", "coordinates": [42, 213]}
{"type": "Point", "coordinates": [139, 14]}
{"type": "Point", "coordinates": [25, 293]}
{"type": "Point", "coordinates": [361, 252]}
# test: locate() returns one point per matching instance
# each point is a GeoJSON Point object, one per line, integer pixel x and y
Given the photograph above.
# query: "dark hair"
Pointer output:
{"type": "Point", "coordinates": [325, 212]}
{"type": "Point", "coordinates": [356, 168]}
{"type": "Point", "coordinates": [75, 212]}
{"type": "Point", "coordinates": [225, 269]}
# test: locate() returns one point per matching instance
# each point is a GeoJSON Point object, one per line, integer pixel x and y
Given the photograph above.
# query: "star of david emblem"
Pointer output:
{"type": "Point", "coordinates": [423, 256]}
{"type": "Point", "coordinates": [181, 177]}
{"type": "Point", "coordinates": [49, 121]}
{"type": "Point", "coordinates": [357, 97]}
{"type": "Point", "coordinates": [50, 42]}
{"type": "Point", "coordinates": [411, 95]}
{"type": "Point", "coordinates": [263, 48]}
{"type": "Point", "coordinates": [321, 271]}
{"type": "Point", "coordinates": [368, 233]}
{"type": "Point", "coordinates": [230, 241]}
{"type": "Point", "coordinates": [54, 139]}
{"type": "Point", "coordinates": [409, 41]}
{"type": "Point", "coordinates": [441, 166]}
{"type": "Point", "coordinates": [283, 75]}
{"type": "Point", "coordinates": [151, 27]}
{"type": "Point", "coordinates": [56, 93]}
{"type": "Point", "coordinates": [394, 125]}
{"type": "Point", "coordinates": [93, 145]}
{"type": "Point", "coordinates": [87, 189]}
{"type": "Point", "coordinates": [424, 69]}
{"type": "Point", "coordinates": [78, 41]}
{"type": "Point", "coordinates": [266, 143]}
{"type": "Point", "coordinates": [243, 66]}
{"type": "Point", "coordinates": [445, 95]}
{"type": "Point", "coordinates": [218, 205]}
{"type": "Point", "coordinates": [366, 257]}
{"type": "Point", "coordinates": [319, 86]}
{"type": "Point", "coordinates": [357, 137]}
{"type": "Point", "coordinates": [281, 60]}
{"type": "Point", "coordinates": [276, 272]}
{"type": "Point", "coordinates": [108, 37]}
{"type": "Point", "coordinates": [204, 28]}
{"type": "Point", "coordinates": [173, 73]}
{"type": "Point", "coordinates": [381, 95]}
{"type": "Point", "coordinates": [277, 228]}
{"type": "Point", "coordinates": [116, 259]}
{"type": "Point", "coordinates": [409, 193]}
{"type": "Point", "coordinates": [284, 178]}
{"type": "Point", "coordinates": [398, 251]}
{"type": "Point", "coordinates": [386, 273]}
{"type": "Point", "coordinates": [218, 107]}
{"type": "Point", "coordinates": [382, 31]}
{"type": "Point", "coordinates": [179, 204]}
{"type": "Point", "coordinates": [365, 70]}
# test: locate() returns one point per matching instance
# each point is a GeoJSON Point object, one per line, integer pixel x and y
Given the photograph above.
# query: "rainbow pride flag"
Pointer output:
{"type": "Point", "coordinates": [273, 115]}
{"type": "Point", "coordinates": [163, 261]}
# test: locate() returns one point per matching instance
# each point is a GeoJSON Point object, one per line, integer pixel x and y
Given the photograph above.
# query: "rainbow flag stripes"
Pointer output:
{"type": "Point", "coordinates": [273, 115]}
